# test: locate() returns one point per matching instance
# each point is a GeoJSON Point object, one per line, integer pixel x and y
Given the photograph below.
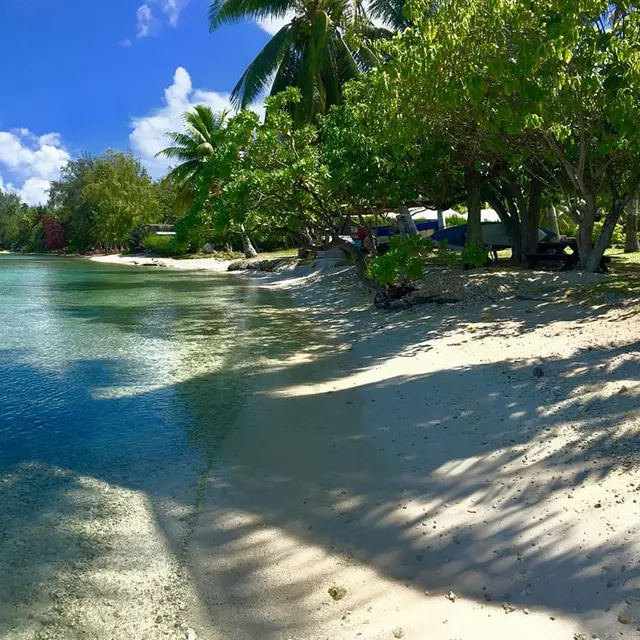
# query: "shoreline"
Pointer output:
{"type": "Point", "coordinates": [195, 264]}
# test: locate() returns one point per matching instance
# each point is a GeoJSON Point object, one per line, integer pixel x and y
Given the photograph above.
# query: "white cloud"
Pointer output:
{"type": "Point", "coordinates": [32, 160]}
{"type": "Point", "coordinates": [54, 139]}
{"type": "Point", "coordinates": [149, 132]}
{"type": "Point", "coordinates": [172, 9]}
{"type": "Point", "coordinates": [1, 183]}
{"type": "Point", "coordinates": [273, 25]}
{"type": "Point", "coordinates": [145, 20]}
{"type": "Point", "coordinates": [35, 191]}
{"type": "Point", "coordinates": [125, 43]}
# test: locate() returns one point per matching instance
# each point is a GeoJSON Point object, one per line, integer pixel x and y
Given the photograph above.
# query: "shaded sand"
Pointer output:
{"type": "Point", "coordinates": [410, 457]}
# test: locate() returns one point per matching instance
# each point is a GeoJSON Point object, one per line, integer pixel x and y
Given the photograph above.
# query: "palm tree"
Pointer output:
{"type": "Point", "coordinates": [391, 12]}
{"type": "Point", "coordinates": [203, 128]}
{"type": "Point", "coordinates": [311, 52]}
{"type": "Point", "coordinates": [394, 15]}
{"type": "Point", "coordinates": [192, 147]}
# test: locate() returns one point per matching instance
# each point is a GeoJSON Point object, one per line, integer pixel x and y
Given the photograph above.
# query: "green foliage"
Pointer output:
{"type": "Point", "coordinates": [566, 225]}
{"type": "Point", "coordinates": [474, 255]}
{"type": "Point", "coordinates": [617, 237]}
{"type": "Point", "coordinates": [403, 261]}
{"type": "Point", "coordinates": [317, 51]}
{"type": "Point", "coordinates": [445, 256]}
{"type": "Point", "coordinates": [170, 201]}
{"type": "Point", "coordinates": [454, 219]}
{"type": "Point", "coordinates": [164, 246]}
{"type": "Point", "coordinates": [101, 200]}
{"type": "Point", "coordinates": [15, 222]}
{"type": "Point", "coordinates": [203, 130]}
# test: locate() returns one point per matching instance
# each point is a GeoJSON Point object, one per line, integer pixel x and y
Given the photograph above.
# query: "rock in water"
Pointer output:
{"type": "Point", "coordinates": [538, 372]}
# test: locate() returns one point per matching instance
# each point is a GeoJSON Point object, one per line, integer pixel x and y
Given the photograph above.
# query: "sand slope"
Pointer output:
{"type": "Point", "coordinates": [416, 453]}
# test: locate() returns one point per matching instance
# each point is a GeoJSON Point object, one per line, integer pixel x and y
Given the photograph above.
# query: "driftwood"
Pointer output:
{"type": "Point", "coordinates": [406, 297]}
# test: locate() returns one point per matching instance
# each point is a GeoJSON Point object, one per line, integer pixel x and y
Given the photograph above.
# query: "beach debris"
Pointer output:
{"type": "Point", "coordinates": [337, 593]}
{"type": "Point", "coordinates": [538, 372]}
{"type": "Point", "coordinates": [525, 611]}
{"type": "Point", "coordinates": [191, 635]}
{"type": "Point", "coordinates": [398, 632]}
{"type": "Point", "coordinates": [527, 591]}
{"type": "Point", "coordinates": [451, 596]}
{"type": "Point", "coordinates": [622, 619]}
{"type": "Point", "coordinates": [508, 608]}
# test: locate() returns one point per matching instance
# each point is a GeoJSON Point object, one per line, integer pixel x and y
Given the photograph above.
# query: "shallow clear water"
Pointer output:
{"type": "Point", "coordinates": [116, 372]}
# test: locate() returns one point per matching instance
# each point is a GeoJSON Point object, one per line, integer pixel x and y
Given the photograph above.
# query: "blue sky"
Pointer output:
{"type": "Point", "coordinates": [84, 75]}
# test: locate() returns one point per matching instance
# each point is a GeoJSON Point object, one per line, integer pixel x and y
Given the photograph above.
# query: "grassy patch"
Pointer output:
{"type": "Point", "coordinates": [619, 257]}
{"type": "Point", "coordinates": [615, 286]}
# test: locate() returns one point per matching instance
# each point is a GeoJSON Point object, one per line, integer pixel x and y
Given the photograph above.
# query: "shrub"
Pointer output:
{"type": "Point", "coordinates": [445, 256]}
{"type": "Point", "coordinates": [455, 219]}
{"type": "Point", "coordinates": [474, 255]}
{"type": "Point", "coordinates": [403, 261]}
{"type": "Point", "coordinates": [164, 246]}
{"type": "Point", "coordinates": [617, 237]}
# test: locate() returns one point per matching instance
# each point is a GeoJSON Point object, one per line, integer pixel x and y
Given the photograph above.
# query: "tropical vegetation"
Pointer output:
{"type": "Point", "coordinates": [530, 109]}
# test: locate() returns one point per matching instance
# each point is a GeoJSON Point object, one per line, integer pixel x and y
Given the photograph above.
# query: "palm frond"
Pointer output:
{"type": "Point", "coordinates": [259, 73]}
{"type": "Point", "coordinates": [223, 12]}
{"type": "Point", "coordinates": [391, 12]}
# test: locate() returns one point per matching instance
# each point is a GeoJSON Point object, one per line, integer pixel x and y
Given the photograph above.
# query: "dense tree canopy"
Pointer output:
{"type": "Point", "coordinates": [458, 102]}
{"type": "Point", "coordinates": [100, 200]}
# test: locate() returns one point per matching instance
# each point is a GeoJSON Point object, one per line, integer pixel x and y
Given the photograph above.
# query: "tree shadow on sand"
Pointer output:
{"type": "Point", "coordinates": [465, 496]}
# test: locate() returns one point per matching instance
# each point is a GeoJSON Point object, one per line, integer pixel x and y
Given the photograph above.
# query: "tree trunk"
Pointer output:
{"type": "Point", "coordinates": [610, 222]}
{"type": "Point", "coordinates": [631, 244]}
{"type": "Point", "coordinates": [585, 231]}
{"type": "Point", "coordinates": [406, 222]}
{"type": "Point", "coordinates": [474, 209]}
{"type": "Point", "coordinates": [247, 245]}
{"type": "Point", "coordinates": [530, 218]}
{"type": "Point", "coordinates": [511, 220]}
{"type": "Point", "coordinates": [440, 219]}
{"type": "Point", "coordinates": [552, 218]}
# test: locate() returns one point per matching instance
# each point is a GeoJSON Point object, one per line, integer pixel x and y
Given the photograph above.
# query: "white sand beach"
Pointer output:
{"type": "Point", "coordinates": [195, 264]}
{"type": "Point", "coordinates": [417, 461]}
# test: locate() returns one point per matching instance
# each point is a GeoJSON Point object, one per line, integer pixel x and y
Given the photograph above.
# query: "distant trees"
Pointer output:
{"type": "Point", "coordinates": [100, 200]}
{"type": "Point", "coordinates": [524, 106]}
{"type": "Point", "coordinates": [16, 222]}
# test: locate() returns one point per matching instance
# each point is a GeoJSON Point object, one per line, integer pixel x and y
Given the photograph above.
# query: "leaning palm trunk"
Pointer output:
{"type": "Point", "coordinates": [247, 245]}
